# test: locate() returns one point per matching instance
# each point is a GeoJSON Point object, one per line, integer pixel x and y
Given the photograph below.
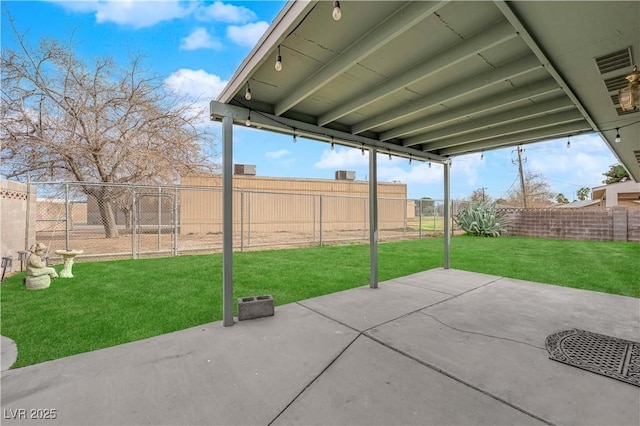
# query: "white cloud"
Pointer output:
{"type": "Point", "coordinates": [247, 35]}
{"type": "Point", "coordinates": [276, 155]}
{"type": "Point", "coordinates": [137, 14]}
{"type": "Point", "coordinates": [418, 174]}
{"type": "Point", "coordinates": [196, 85]}
{"type": "Point", "coordinates": [228, 13]}
{"type": "Point", "coordinates": [199, 39]}
{"type": "Point", "coordinates": [342, 158]}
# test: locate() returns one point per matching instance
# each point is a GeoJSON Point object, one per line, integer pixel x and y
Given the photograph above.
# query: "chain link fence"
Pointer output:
{"type": "Point", "coordinates": [137, 221]}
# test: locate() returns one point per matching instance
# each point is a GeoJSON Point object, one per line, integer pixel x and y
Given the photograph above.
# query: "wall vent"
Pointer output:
{"type": "Point", "coordinates": [616, 83]}
{"type": "Point", "coordinates": [614, 61]}
{"type": "Point", "coordinates": [637, 154]}
{"type": "Point", "coordinates": [620, 111]}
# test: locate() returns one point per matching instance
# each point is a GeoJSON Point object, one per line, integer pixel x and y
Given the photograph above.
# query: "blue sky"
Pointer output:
{"type": "Point", "coordinates": [195, 46]}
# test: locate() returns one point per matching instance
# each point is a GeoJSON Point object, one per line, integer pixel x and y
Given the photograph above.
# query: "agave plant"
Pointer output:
{"type": "Point", "coordinates": [482, 220]}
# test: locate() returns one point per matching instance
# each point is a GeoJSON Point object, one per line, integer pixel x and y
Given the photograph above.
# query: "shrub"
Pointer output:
{"type": "Point", "coordinates": [482, 220]}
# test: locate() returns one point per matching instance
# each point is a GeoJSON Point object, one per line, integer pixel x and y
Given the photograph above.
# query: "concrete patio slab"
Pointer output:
{"type": "Point", "coordinates": [8, 353]}
{"type": "Point", "coordinates": [363, 307]}
{"type": "Point", "coordinates": [450, 281]}
{"type": "Point", "coordinates": [245, 374]}
{"type": "Point", "coordinates": [406, 353]}
{"type": "Point", "coordinates": [494, 339]}
{"type": "Point", "coordinates": [392, 389]}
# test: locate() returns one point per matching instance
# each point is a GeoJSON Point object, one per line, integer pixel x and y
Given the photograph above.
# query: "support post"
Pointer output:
{"type": "Point", "coordinates": [447, 215]}
{"type": "Point", "coordinates": [320, 214]}
{"type": "Point", "coordinates": [227, 221]}
{"type": "Point", "coordinates": [175, 221]}
{"type": "Point", "coordinates": [66, 216]}
{"type": "Point", "coordinates": [241, 220]}
{"type": "Point", "coordinates": [373, 217]}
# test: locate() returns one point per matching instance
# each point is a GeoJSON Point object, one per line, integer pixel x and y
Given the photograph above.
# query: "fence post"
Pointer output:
{"type": "Point", "coordinates": [249, 219]}
{"type": "Point", "coordinates": [159, 214]}
{"type": "Point", "coordinates": [364, 215]}
{"type": "Point", "coordinates": [320, 220]}
{"type": "Point", "coordinates": [175, 221]}
{"type": "Point", "coordinates": [420, 218]}
{"type": "Point", "coordinates": [66, 216]}
{"type": "Point", "coordinates": [404, 228]}
{"type": "Point", "coordinates": [134, 219]}
{"type": "Point", "coordinates": [313, 219]}
{"type": "Point", "coordinates": [241, 220]}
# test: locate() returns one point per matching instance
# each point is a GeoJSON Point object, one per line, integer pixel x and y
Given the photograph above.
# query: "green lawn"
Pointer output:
{"type": "Point", "coordinates": [109, 303]}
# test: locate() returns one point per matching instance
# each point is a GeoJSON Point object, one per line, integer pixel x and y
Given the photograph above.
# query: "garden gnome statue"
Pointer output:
{"type": "Point", "coordinates": [38, 274]}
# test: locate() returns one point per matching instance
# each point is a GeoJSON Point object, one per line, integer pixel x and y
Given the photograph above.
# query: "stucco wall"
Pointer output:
{"type": "Point", "coordinates": [18, 202]}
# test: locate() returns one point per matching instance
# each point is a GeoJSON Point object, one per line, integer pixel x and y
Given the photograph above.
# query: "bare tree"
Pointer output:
{"type": "Point", "coordinates": [62, 118]}
{"type": "Point", "coordinates": [537, 190]}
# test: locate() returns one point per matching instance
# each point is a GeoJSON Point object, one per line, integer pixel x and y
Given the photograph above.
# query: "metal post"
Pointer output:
{"type": "Point", "coordinates": [175, 221]}
{"type": "Point", "coordinates": [27, 219]}
{"type": "Point", "coordinates": [159, 214]}
{"type": "Point", "coordinates": [420, 218]}
{"type": "Point", "coordinates": [404, 228]}
{"type": "Point", "coordinates": [373, 217]}
{"type": "Point", "coordinates": [313, 197]}
{"type": "Point", "coordinates": [227, 220]}
{"type": "Point", "coordinates": [364, 216]}
{"type": "Point", "coordinates": [66, 216]}
{"type": "Point", "coordinates": [320, 220]}
{"type": "Point", "coordinates": [447, 215]}
{"type": "Point", "coordinates": [249, 219]}
{"type": "Point", "coordinates": [133, 223]}
{"type": "Point", "coordinates": [241, 220]}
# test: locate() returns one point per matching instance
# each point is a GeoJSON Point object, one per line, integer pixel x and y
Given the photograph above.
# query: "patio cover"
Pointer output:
{"type": "Point", "coordinates": [431, 80]}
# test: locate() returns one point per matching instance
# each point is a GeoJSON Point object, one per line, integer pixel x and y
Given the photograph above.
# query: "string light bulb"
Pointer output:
{"type": "Point", "coordinates": [410, 160]}
{"type": "Point", "coordinates": [337, 12]}
{"type": "Point", "coordinates": [482, 155]}
{"type": "Point", "coordinates": [295, 138]}
{"type": "Point", "coordinates": [389, 155]}
{"type": "Point", "coordinates": [248, 122]}
{"type": "Point", "coordinates": [429, 164]}
{"type": "Point", "coordinates": [363, 150]}
{"type": "Point", "coordinates": [247, 94]}
{"type": "Point", "coordinates": [332, 147]}
{"type": "Point", "coordinates": [278, 61]}
{"type": "Point", "coordinates": [618, 138]}
{"type": "Point", "coordinates": [569, 142]}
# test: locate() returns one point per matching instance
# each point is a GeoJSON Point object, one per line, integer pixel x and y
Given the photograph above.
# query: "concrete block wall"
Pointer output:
{"type": "Point", "coordinates": [618, 224]}
{"type": "Point", "coordinates": [17, 218]}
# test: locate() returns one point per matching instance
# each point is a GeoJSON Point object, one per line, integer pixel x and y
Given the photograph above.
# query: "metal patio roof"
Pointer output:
{"type": "Point", "coordinates": [433, 80]}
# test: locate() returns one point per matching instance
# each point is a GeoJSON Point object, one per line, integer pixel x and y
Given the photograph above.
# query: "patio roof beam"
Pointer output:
{"type": "Point", "coordinates": [533, 45]}
{"type": "Point", "coordinates": [538, 135]}
{"type": "Point", "coordinates": [512, 69]}
{"type": "Point", "coordinates": [500, 100]}
{"type": "Point", "coordinates": [401, 21]}
{"type": "Point", "coordinates": [496, 119]}
{"type": "Point", "coordinates": [261, 120]}
{"type": "Point", "coordinates": [507, 129]}
{"type": "Point", "coordinates": [463, 50]}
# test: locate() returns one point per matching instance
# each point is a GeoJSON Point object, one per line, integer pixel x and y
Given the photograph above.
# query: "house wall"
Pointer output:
{"type": "Point", "coordinates": [596, 224]}
{"type": "Point", "coordinates": [17, 216]}
{"type": "Point", "coordinates": [294, 205]}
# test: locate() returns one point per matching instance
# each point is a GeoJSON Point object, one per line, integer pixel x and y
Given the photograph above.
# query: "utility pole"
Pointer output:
{"type": "Point", "coordinates": [522, 186]}
{"type": "Point", "coordinates": [483, 195]}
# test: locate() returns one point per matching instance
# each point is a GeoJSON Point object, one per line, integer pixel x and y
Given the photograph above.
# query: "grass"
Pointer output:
{"type": "Point", "coordinates": [109, 303]}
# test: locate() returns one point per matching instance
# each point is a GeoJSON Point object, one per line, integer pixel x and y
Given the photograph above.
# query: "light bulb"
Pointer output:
{"type": "Point", "coordinates": [389, 155]}
{"type": "Point", "coordinates": [278, 61]}
{"type": "Point", "coordinates": [295, 138]}
{"type": "Point", "coordinates": [337, 13]}
{"type": "Point", "coordinates": [429, 164]}
{"type": "Point", "coordinates": [409, 160]}
{"type": "Point", "coordinates": [482, 156]}
{"type": "Point", "coordinates": [363, 152]}
{"type": "Point", "coordinates": [618, 138]}
{"type": "Point", "coordinates": [568, 144]}
{"type": "Point", "coordinates": [248, 122]}
{"type": "Point", "coordinates": [247, 94]}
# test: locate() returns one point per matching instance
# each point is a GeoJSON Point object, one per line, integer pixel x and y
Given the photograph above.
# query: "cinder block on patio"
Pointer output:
{"type": "Point", "coordinates": [255, 307]}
